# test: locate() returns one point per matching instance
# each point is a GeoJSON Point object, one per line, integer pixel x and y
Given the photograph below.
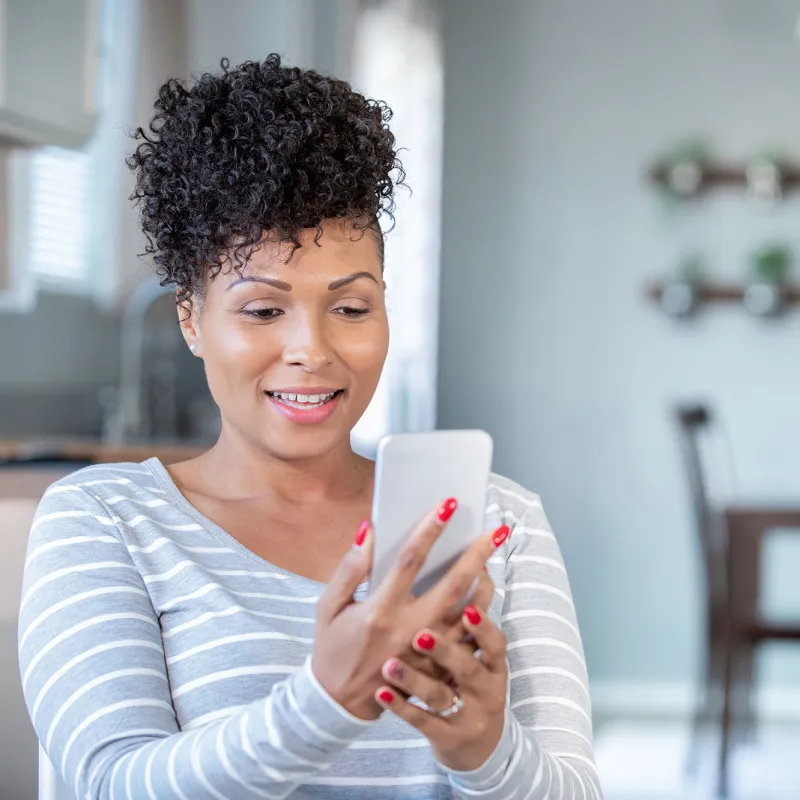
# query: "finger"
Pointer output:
{"type": "Point", "coordinates": [431, 726]}
{"type": "Point", "coordinates": [453, 587]}
{"type": "Point", "coordinates": [399, 580]}
{"type": "Point", "coordinates": [467, 670]}
{"type": "Point", "coordinates": [352, 570]}
{"type": "Point", "coordinates": [490, 639]}
{"type": "Point", "coordinates": [436, 694]}
{"type": "Point", "coordinates": [453, 628]}
{"type": "Point", "coordinates": [423, 664]}
{"type": "Point", "coordinates": [482, 597]}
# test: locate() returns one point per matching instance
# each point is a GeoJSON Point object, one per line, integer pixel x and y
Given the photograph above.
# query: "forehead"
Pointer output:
{"type": "Point", "coordinates": [337, 250]}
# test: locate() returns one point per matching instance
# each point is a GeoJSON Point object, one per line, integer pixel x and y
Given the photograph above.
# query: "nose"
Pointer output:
{"type": "Point", "coordinates": [307, 344]}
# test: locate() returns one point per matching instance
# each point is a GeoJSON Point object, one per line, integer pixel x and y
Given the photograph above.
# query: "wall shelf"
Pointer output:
{"type": "Point", "coordinates": [713, 176]}
{"type": "Point", "coordinates": [683, 300]}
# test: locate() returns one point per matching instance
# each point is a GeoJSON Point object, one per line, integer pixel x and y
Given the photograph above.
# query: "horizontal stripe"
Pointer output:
{"type": "Point", "coordinates": [99, 681]}
{"type": "Point", "coordinates": [548, 562]}
{"type": "Point", "coordinates": [529, 672]}
{"type": "Point", "coordinates": [71, 571]}
{"type": "Point", "coordinates": [81, 657]}
{"type": "Point", "coordinates": [212, 716]}
{"type": "Point", "coordinates": [74, 630]}
{"type": "Point", "coordinates": [390, 744]}
{"type": "Point", "coordinates": [530, 502]}
{"type": "Point", "coordinates": [92, 594]}
{"type": "Point", "coordinates": [236, 639]}
{"type": "Point", "coordinates": [160, 542]}
{"type": "Point", "coordinates": [400, 780]}
{"type": "Point", "coordinates": [519, 586]}
{"type": "Point", "coordinates": [68, 542]}
{"type": "Point", "coordinates": [227, 674]}
{"type": "Point", "coordinates": [212, 587]}
{"type": "Point", "coordinates": [554, 701]}
{"type": "Point", "coordinates": [513, 616]}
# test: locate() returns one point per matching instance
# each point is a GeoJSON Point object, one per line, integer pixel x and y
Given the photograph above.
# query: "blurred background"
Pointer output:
{"type": "Point", "coordinates": [597, 265]}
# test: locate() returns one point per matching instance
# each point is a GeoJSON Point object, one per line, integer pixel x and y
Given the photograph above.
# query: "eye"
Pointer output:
{"type": "Point", "coordinates": [263, 313]}
{"type": "Point", "coordinates": [351, 311]}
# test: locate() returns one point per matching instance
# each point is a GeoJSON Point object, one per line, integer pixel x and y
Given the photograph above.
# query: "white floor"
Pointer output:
{"type": "Point", "coordinates": [646, 761]}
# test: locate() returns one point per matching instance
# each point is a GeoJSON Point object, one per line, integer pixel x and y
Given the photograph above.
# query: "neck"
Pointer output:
{"type": "Point", "coordinates": [242, 470]}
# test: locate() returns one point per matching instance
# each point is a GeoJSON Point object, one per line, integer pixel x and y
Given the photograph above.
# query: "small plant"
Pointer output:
{"type": "Point", "coordinates": [765, 296]}
{"type": "Point", "coordinates": [683, 168]}
{"type": "Point", "coordinates": [764, 175]}
{"type": "Point", "coordinates": [773, 264]}
{"type": "Point", "coordinates": [691, 269]}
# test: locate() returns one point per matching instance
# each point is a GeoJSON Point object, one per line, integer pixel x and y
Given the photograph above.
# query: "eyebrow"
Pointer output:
{"type": "Point", "coordinates": [287, 287]}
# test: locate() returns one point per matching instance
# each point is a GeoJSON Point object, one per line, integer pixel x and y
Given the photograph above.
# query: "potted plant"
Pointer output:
{"type": "Point", "coordinates": [681, 171]}
{"type": "Point", "coordinates": [764, 175]}
{"type": "Point", "coordinates": [680, 296]}
{"type": "Point", "coordinates": [765, 294]}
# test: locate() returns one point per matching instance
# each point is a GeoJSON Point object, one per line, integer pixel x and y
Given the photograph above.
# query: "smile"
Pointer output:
{"type": "Point", "coordinates": [306, 409]}
{"type": "Point", "coordinates": [304, 401]}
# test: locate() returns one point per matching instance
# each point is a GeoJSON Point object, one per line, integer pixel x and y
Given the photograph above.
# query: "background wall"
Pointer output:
{"type": "Point", "coordinates": [65, 351]}
{"type": "Point", "coordinates": [553, 110]}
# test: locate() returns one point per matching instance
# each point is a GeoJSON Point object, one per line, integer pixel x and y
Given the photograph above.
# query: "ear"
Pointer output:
{"type": "Point", "coordinates": [189, 312]}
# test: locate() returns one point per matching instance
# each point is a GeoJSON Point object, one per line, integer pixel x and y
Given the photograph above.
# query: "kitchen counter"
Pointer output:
{"type": "Point", "coordinates": [94, 450]}
{"type": "Point", "coordinates": [29, 479]}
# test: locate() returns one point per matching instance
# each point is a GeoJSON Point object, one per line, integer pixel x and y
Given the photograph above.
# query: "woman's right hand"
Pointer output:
{"type": "Point", "coordinates": [354, 639]}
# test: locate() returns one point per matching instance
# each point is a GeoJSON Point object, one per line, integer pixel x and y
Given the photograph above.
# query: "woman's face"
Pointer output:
{"type": "Point", "coordinates": [293, 350]}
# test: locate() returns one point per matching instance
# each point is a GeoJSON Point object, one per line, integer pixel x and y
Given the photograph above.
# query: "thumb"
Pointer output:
{"type": "Point", "coordinates": [352, 570]}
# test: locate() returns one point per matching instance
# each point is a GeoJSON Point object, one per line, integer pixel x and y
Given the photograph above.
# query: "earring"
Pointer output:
{"type": "Point", "coordinates": [193, 348]}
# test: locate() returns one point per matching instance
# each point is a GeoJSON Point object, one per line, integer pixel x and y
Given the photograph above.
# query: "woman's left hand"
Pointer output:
{"type": "Point", "coordinates": [464, 740]}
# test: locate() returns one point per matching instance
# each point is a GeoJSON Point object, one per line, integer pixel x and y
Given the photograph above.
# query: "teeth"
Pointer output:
{"type": "Point", "coordinates": [307, 399]}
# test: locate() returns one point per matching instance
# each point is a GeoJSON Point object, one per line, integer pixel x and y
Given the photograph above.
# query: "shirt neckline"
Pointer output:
{"type": "Point", "coordinates": [162, 476]}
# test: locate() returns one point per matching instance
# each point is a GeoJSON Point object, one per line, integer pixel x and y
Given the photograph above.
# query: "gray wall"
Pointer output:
{"type": "Point", "coordinates": [553, 110]}
{"type": "Point", "coordinates": [53, 362]}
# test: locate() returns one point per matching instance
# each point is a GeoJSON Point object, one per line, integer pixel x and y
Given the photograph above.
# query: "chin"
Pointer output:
{"type": "Point", "coordinates": [305, 444]}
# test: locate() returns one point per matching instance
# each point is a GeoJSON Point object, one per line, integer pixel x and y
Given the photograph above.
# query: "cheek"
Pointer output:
{"type": "Point", "coordinates": [367, 352]}
{"type": "Point", "coordinates": [235, 348]}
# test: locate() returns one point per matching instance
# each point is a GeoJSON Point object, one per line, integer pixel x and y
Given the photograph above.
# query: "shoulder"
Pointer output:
{"type": "Point", "coordinates": [513, 502]}
{"type": "Point", "coordinates": [100, 485]}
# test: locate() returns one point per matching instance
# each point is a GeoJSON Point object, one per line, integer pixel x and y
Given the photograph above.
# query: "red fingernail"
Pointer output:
{"type": "Point", "coordinates": [396, 670]}
{"type": "Point", "coordinates": [447, 509]}
{"type": "Point", "coordinates": [385, 696]}
{"type": "Point", "coordinates": [473, 615]}
{"type": "Point", "coordinates": [500, 535]}
{"type": "Point", "coordinates": [425, 641]}
{"type": "Point", "coordinates": [361, 533]}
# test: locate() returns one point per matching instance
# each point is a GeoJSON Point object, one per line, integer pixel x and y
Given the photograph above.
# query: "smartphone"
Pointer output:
{"type": "Point", "coordinates": [414, 472]}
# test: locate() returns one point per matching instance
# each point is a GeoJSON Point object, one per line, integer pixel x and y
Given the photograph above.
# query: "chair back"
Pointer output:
{"type": "Point", "coordinates": [709, 480]}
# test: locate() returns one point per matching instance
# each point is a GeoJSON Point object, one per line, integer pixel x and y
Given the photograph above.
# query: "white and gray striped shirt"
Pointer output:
{"type": "Point", "coordinates": [162, 659]}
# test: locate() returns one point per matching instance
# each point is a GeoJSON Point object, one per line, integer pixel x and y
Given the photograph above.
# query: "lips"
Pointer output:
{"type": "Point", "coordinates": [306, 398]}
{"type": "Point", "coordinates": [306, 406]}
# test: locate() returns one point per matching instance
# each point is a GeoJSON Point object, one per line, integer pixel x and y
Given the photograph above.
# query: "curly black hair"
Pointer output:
{"type": "Point", "coordinates": [258, 148]}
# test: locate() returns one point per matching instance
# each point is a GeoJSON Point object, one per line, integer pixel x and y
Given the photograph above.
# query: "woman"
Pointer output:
{"type": "Point", "coordinates": [202, 630]}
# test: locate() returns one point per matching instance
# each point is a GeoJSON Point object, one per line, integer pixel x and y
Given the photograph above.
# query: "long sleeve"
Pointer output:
{"type": "Point", "coordinates": [95, 681]}
{"type": "Point", "coordinates": [546, 751]}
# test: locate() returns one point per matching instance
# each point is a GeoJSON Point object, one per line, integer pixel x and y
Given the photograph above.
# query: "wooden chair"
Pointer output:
{"type": "Point", "coordinates": [731, 535]}
{"type": "Point", "coordinates": [692, 422]}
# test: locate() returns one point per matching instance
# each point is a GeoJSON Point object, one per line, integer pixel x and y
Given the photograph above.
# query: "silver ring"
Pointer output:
{"type": "Point", "coordinates": [458, 704]}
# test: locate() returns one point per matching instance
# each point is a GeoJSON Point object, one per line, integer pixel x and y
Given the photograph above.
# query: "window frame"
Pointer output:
{"type": "Point", "coordinates": [116, 86]}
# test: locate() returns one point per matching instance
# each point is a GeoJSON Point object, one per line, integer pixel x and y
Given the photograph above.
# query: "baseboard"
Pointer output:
{"type": "Point", "coordinates": [643, 699]}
